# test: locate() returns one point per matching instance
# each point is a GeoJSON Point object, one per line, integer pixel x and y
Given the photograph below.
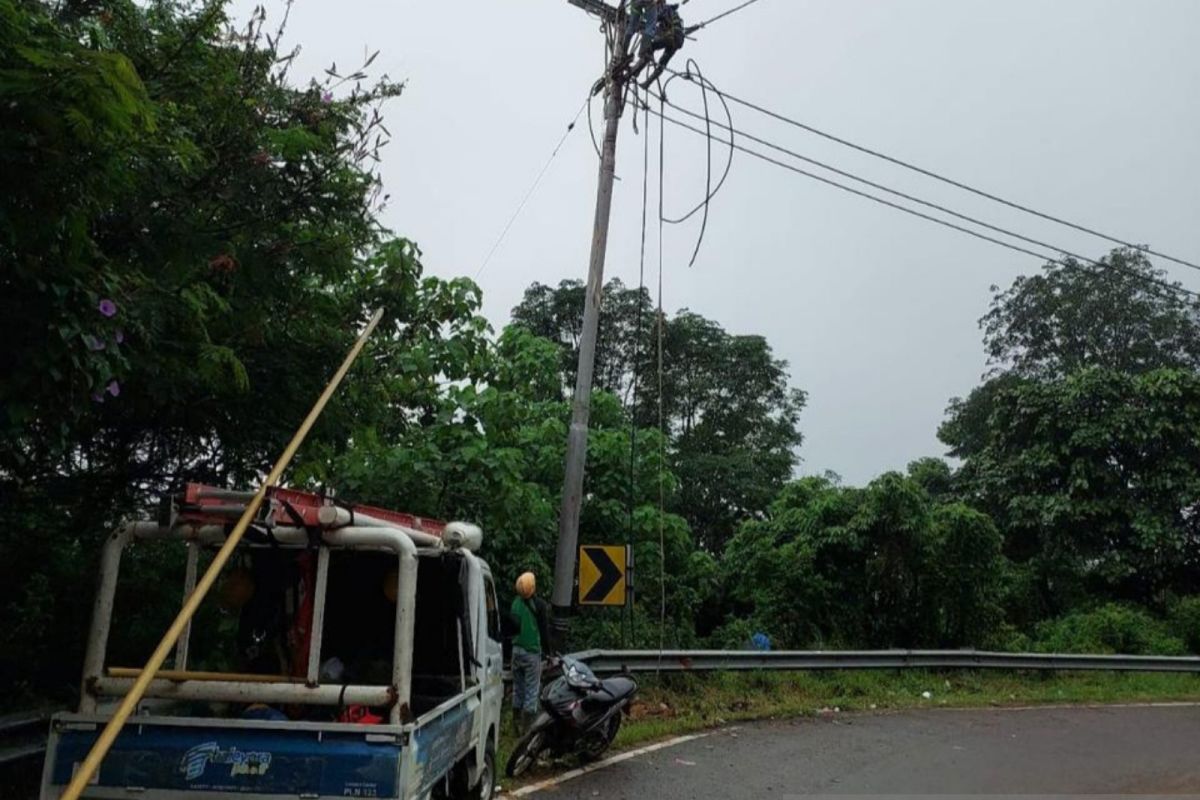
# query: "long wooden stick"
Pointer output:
{"type": "Point", "coordinates": [109, 735]}
{"type": "Point", "coordinates": [203, 677]}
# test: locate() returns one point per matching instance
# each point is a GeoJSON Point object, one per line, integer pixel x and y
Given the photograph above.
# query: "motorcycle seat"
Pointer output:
{"type": "Point", "coordinates": [618, 688]}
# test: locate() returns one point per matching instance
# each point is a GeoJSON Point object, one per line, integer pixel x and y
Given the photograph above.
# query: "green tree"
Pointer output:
{"type": "Point", "coordinates": [881, 566]}
{"type": "Point", "coordinates": [624, 336]}
{"type": "Point", "coordinates": [733, 422]}
{"type": "Point", "coordinates": [893, 526]}
{"type": "Point", "coordinates": [933, 475]}
{"type": "Point", "coordinates": [491, 449]}
{"type": "Point", "coordinates": [1070, 317]}
{"type": "Point", "coordinates": [796, 574]}
{"type": "Point", "coordinates": [1073, 316]}
{"type": "Point", "coordinates": [1095, 481]}
{"type": "Point", "coordinates": [967, 572]}
{"type": "Point", "coordinates": [731, 417]}
{"type": "Point", "coordinates": [189, 241]}
{"type": "Point", "coordinates": [1066, 443]}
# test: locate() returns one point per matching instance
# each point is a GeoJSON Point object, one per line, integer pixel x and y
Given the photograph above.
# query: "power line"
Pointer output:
{"type": "Point", "coordinates": [883, 188]}
{"type": "Point", "coordinates": [937, 220]}
{"type": "Point", "coordinates": [722, 15]}
{"type": "Point", "coordinates": [533, 188]}
{"type": "Point", "coordinates": [950, 181]}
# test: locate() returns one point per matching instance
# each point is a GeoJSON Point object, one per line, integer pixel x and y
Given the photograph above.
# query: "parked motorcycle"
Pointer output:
{"type": "Point", "coordinates": [579, 714]}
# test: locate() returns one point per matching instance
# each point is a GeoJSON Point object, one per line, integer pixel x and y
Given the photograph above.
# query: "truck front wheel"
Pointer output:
{"type": "Point", "coordinates": [485, 786]}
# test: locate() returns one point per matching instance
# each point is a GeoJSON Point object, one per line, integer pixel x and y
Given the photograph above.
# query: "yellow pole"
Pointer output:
{"type": "Point", "coordinates": [109, 734]}
{"type": "Point", "coordinates": [203, 677]}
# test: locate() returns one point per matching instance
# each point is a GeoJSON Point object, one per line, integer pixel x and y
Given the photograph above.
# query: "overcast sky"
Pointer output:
{"type": "Point", "coordinates": [1083, 108]}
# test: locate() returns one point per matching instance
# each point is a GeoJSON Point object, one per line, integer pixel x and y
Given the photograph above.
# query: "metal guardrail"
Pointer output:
{"type": "Point", "coordinates": [23, 735]}
{"type": "Point", "coordinates": [610, 661]}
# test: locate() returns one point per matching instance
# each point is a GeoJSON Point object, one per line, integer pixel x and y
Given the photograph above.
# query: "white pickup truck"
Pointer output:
{"type": "Point", "coordinates": [368, 655]}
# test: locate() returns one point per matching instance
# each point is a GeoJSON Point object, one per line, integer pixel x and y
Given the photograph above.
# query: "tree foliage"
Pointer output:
{"type": "Point", "coordinates": [190, 240]}
{"type": "Point", "coordinates": [1120, 316]}
{"type": "Point", "coordinates": [1095, 480]}
{"type": "Point", "coordinates": [1083, 443]}
{"type": "Point", "coordinates": [731, 417]}
{"type": "Point", "coordinates": [885, 565]}
{"type": "Point", "coordinates": [173, 210]}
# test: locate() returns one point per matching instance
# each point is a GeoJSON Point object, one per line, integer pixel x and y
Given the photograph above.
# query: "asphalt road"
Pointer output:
{"type": "Point", "coordinates": [1128, 751]}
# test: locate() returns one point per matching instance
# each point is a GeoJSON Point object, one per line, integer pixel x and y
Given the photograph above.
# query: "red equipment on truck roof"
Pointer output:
{"type": "Point", "coordinates": [210, 505]}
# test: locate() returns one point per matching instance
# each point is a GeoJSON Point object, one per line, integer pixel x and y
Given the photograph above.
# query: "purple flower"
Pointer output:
{"type": "Point", "coordinates": [98, 397]}
{"type": "Point", "coordinates": [108, 308]}
{"type": "Point", "coordinates": [326, 97]}
{"type": "Point", "coordinates": [92, 342]}
{"type": "Point", "coordinates": [113, 388]}
{"type": "Point", "coordinates": [120, 337]}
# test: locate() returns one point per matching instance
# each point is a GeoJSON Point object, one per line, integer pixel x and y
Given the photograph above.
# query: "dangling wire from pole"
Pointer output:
{"type": "Point", "coordinates": [709, 191]}
{"type": "Point", "coordinates": [662, 435]}
{"type": "Point", "coordinates": [637, 351]}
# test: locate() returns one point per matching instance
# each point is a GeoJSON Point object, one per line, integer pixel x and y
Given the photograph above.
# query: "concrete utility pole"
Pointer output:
{"type": "Point", "coordinates": [572, 497]}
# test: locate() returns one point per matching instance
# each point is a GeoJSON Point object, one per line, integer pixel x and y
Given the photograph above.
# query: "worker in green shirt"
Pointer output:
{"type": "Point", "coordinates": [531, 639]}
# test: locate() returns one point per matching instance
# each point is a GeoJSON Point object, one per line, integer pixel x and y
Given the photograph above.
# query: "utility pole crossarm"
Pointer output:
{"type": "Point", "coordinates": [597, 7]}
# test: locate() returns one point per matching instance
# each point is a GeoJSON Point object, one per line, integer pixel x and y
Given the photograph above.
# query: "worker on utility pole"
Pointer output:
{"type": "Point", "coordinates": [643, 19]}
{"type": "Point", "coordinates": [662, 30]}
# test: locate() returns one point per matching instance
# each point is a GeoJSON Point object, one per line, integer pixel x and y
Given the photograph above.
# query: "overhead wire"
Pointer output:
{"type": "Point", "coordinates": [723, 15]}
{"type": "Point", "coordinates": [879, 186]}
{"type": "Point", "coordinates": [533, 188]}
{"type": "Point", "coordinates": [949, 181]}
{"type": "Point", "coordinates": [1171, 287]}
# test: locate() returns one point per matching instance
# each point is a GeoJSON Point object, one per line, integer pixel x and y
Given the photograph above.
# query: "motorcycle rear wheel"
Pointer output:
{"type": "Point", "coordinates": [594, 746]}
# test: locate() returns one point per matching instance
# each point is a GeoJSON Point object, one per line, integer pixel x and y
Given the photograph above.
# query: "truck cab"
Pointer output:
{"type": "Point", "coordinates": [363, 659]}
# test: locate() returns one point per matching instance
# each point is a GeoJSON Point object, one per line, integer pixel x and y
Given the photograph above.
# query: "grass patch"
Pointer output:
{"type": "Point", "coordinates": [672, 705]}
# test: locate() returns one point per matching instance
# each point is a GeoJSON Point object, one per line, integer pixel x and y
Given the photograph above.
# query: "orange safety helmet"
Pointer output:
{"type": "Point", "coordinates": [526, 585]}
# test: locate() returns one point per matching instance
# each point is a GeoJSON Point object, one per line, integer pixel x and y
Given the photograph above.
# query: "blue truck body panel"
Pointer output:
{"type": "Point", "coordinates": [230, 761]}
{"type": "Point", "coordinates": [438, 745]}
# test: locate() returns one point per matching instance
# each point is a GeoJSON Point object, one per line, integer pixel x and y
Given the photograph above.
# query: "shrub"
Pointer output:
{"type": "Point", "coordinates": [1110, 628]}
{"type": "Point", "coordinates": [1184, 622]}
{"type": "Point", "coordinates": [735, 634]}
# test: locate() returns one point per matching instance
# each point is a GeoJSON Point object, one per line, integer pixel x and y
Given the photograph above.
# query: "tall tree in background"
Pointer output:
{"type": "Point", "coordinates": [1095, 481]}
{"type": "Point", "coordinates": [1074, 316]}
{"type": "Point", "coordinates": [625, 333]}
{"type": "Point", "coordinates": [1084, 441]}
{"type": "Point", "coordinates": [731, 417]}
